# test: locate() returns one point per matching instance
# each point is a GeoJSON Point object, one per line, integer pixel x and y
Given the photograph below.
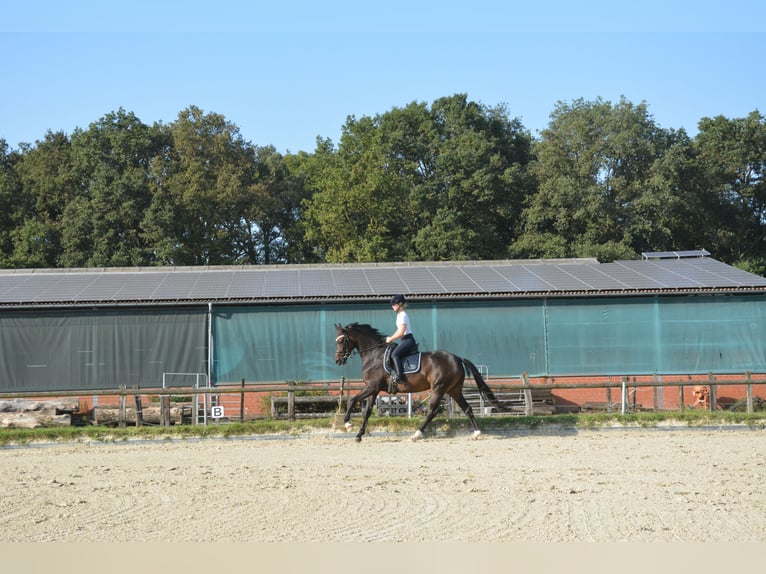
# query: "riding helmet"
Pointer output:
{"type": "Point", "coordinates": [397, 299]}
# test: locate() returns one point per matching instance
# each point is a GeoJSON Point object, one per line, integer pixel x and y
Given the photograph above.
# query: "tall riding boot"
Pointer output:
{"type": "Point", "coordinates": [396, 376]}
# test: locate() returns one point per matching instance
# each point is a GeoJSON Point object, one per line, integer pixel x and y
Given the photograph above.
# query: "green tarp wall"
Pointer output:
{"type": "Point", "coordinates": [104, 349]}
{"type": "Point", "coordinates": [100, 349]}
{"type": "Point", "coordinates": [681, 335]}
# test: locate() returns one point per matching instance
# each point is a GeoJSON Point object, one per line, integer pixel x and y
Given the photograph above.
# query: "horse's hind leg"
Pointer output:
{"type": "Point", "coordinates": [463, 404]}
{"type": "Point", "coordinates": [436, 399]}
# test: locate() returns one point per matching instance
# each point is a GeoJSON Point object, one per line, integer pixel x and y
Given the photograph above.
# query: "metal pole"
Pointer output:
{"type": "Point", "coordinates": [624, 397]}
{"type": "Point", "coordinates": [242, 402]}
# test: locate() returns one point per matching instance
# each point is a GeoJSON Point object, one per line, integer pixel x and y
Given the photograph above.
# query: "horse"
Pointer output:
{"type": "Point", "coordinates": [440, 371]}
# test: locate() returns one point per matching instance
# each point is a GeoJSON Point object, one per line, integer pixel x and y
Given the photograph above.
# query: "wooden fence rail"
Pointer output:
{"type": "Point", "coordinates": [344, 388]}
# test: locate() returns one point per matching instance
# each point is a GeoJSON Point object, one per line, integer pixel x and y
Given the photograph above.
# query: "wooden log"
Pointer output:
{"type": "Point", "coordinates": [151, 415]}
{"type": "Point", "coordinates": [56, 406]}
{"type": "Point", "coordinates": [33, 419]}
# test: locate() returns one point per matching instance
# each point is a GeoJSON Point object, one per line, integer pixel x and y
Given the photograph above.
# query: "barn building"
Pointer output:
{"type": "Point", "coordinates": [88, 329]}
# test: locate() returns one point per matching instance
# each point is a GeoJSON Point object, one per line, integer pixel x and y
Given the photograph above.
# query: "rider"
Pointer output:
{"type": "Point", "coordinates": [403, 332]}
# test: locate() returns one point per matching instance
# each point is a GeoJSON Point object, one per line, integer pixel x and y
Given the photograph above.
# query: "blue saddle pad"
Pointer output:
{"type": "Point", "coordinates": [410, 363]}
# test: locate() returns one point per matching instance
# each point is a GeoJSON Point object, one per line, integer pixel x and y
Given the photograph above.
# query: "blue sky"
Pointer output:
{"type": "Point", "coordinates": [288, 72]}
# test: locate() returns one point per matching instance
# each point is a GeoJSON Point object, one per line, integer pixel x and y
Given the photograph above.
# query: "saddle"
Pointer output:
{"type": "Point", "coordinates": [410, 363]}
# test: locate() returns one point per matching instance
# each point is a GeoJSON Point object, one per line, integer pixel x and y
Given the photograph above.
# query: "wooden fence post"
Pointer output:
{"type": "Point", "coordinates": [139, 408]}
{"type": "Point", "coordinates": [291, 400]}
{"type": "Point", "coordinates": [165, 410]}
{"type": "Point", "coordinates": [749, 393]}
{"type": "Point", "coordinates": [528, 407]}
{"type": "Point", "coordinates": [123, 408]}
{"type": "Point", "coordinates": [609, 398]}
{"type": "Point", "coordinates": [713, 392]}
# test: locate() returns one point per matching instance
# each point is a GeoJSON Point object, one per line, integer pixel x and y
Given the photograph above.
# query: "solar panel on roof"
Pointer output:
{"type": "Point", "coordinates": [673, 275]}
{"type": "Point", "coordinates": [634, 274]}
{"type": "Point", "coordinates": [675, 254]}
{"type": "Point", "coordinates": [489, 278]}
{"type": "Point", "coordinates": [559, 278]}
{"type": "Point", "coordinates": [351, 282]}
{"type": "Point", "coordinates": [213, 284]}
{"type": "Point", "coordinates": [17, 288]}
{"type": "Point", "coordinates": [724, 274]}
{"type": "Point", "coordinates": [136, 286]}
{"type": "Point", "coordinates": [354, 281]}
{"type": "Point", "coordinates": [176, 285]}
{"type": "Point", "coordinates": [282, 283]}
{"type": "Point", "coordinates": [246, 284]}
{"type": "Point", "coordinates": [598, 280]}
{"type": "Point", "coordinates": [419, 280]}
{"type": "Point", "coordinates": [385, 281]}
{"type": "Point", "coordinates": [99, 286]}
{"type": "Point", "coordinates": [62, 292]}
{"type": "Point", "coordinates": [508, 275]}
{"type": "Point", "coordinates": [455, 280]}
{"type": "Point", "coordinates": [317, 283]}
{"type": "Point", "coordinates": [525, 279]}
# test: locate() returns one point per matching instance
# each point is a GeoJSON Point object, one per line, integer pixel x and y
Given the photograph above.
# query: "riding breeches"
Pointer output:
{"type": "Point", "coordinates": [404, 348]}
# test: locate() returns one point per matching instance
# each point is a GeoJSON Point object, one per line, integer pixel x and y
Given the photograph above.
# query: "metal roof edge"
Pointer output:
{"type": "Point", "coordinates": [294, 266]}
{"type": "Point", "coordinates": [479, 296]}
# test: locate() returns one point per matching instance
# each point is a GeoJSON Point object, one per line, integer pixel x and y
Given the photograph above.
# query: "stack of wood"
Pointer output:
{"type": "Point", "coordinates": [512, 401]}
{"type": "Point", "coordinates": [24, 413]}
{"type": "Point", "coordinates": [542, 401]}
{"type": "Point", "coordinates": [155, 414]}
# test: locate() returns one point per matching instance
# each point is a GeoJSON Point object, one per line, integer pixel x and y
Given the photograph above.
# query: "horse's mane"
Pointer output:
{"type": "Point", "coordinates": [365, 329]}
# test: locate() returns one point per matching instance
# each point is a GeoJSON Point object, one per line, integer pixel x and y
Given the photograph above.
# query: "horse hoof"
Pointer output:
{"type": "Point", "coordinates": [357, 438]}
{"type": "Point", "coordinates": [348, 426]}
{"type": "Point", "coordinates": [417, 436]}
{"type": "Point", "coordinates": [476, 434]}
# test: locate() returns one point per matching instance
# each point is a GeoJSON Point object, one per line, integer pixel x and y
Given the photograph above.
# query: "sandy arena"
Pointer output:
{"type": "Point", "coordinates": [611, 485]}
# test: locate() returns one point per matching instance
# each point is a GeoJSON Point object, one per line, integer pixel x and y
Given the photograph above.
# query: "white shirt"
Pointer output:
{"type": "Point", "coordinates": [403, 319]}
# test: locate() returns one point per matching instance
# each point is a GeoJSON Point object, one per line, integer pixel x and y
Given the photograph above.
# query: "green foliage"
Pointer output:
{"type": "Point", "coordinates": [449, 180]}
{"type": "Point", "coordinates": [593, 165]}
{"type": "Point", "coordinates": [421, 184]}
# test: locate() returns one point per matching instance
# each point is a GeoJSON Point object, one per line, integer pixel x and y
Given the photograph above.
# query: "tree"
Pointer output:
{"type": "Point", "coordinates": [592, 168]}
{"type": "Point", "coordinates": [10, 192]}
{"type": "Point", "coordinates": [351, 215]}
{"type": "Point", "coordinates": [102, 222]}
{"type": "Point", "coordinates": [48, 181]}
{"type": "Point", "coordinates": [416, 183]}
{"type": "Point", "coordinates": [733, 152]}
{"type": "Point", "coordinates": [469, 206]}
{"type": "Point", "coordinates": [676, 199]}
{"type": "Point", "coordinates": [198, 187]}
{"type": "Point", "coordinates": [269, 211]}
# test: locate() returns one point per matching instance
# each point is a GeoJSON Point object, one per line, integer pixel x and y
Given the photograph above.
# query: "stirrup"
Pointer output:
{"type": "Point", "coordinates": [392, 385]}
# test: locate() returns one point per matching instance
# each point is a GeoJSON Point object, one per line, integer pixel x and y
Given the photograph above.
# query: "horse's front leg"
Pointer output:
{"type": "Point", "coordinates": [366, 416]}
{"type": "Point", "coordinates": [349, 408]}
{"type": "Point", "coordinates": [356, 399]}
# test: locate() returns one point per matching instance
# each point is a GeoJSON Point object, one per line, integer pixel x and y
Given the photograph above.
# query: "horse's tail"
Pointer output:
{"type": "Point", "coordinates": [481, 383]}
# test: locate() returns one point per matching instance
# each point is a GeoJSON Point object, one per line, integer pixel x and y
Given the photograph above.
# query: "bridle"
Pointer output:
{"type": "Point", "coordinates": [348, 349]}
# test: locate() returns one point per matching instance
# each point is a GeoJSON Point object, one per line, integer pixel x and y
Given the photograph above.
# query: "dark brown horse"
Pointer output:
{"type": "Point", "coordinates": [440, 371]}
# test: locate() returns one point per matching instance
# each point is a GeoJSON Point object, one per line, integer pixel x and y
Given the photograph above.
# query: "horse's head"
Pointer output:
{"type": "Point", "coordinates": [344, 345]}
{"type": "Point", "coordinates": [359, 337]}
